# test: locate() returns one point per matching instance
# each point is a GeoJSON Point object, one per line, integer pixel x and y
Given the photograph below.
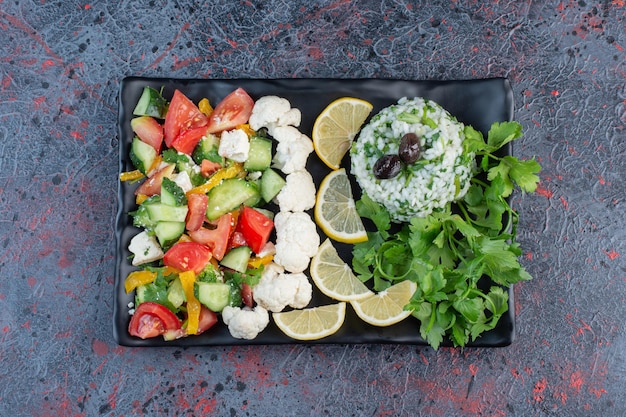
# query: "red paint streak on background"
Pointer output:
{"type": "Point", "coordinates": [30, 32]}
{"type": "Point", "coordinates": [538, 389]}
{"type": "Point", "coordinates": [541, 190]}
{"type": "Point", "coordinates": [612, 254]}
{"type": "Point", "coordinates": [169, 48]}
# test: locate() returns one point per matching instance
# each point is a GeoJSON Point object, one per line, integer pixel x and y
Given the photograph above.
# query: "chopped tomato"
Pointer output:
{"type": "Point", "coordinates": [217, 238]}
{"type": "Point", "coordinates": [152, 185]}
{"type": "Point", "coordinates": [151, 320]}
{"type": "Point", "coordinates": [234, 110]}
{"type": "Point", "coordinates": [246, 295]}
{"type": "Point", "coordinates": [187, 256]}
{"type": "Point", "coordinates": [197, 204]}
{"type": "Point", "coordinates": [256, 228]}
{"type": "Point", "coordinates": [236, 240]}
{"type": "Point", "coordinates": [181, 115]}
{"type": "Point", "coordinates": [207, 319]}
{"type": "Point", "coordinates": [148, 130]}
{"type": "Point", "coordinates": [187, 140]}
{"type": "Point", "coordinates": [208, 168]}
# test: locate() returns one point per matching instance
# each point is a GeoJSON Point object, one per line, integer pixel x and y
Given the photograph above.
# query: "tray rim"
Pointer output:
{"type": "Point", "coordinates": [121, 336]}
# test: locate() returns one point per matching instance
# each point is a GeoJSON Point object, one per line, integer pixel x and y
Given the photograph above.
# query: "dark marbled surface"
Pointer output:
{"type": "Point", "coordinates": [61, 64]}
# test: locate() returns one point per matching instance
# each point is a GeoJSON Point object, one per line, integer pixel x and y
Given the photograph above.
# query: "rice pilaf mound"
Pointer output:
{"type": "Point", "coordinates": [441, 175]}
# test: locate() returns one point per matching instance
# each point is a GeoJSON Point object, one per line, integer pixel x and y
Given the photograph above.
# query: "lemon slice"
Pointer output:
{"type": "Point", "coordinates": [386, 307]}
{"type": "Point", "coordinates": [335, 210]}
{"type": "Point", "coordinates": [336, 126]}
{"type": "Point", "coordinates": [311, 323]}
{"type": "Point", "coordinates": [333, 277]}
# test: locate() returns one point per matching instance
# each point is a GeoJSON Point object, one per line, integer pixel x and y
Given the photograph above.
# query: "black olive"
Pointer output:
{"type": "Point", "coordinates": [387, 166]}
{"type": "Point", "coordinates": [410, 149]}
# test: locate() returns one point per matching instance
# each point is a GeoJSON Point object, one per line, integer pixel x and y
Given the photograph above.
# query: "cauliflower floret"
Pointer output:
{"type": "Point", "coordinates": [145, 248]}
{"type": "Point", "coordinates": [273, 110]}
{"type": "Point", "coordinates": [298, 194]}
{"type": "Point", "coordinates": [296, 240]}
{"type": "Point", "coordinates": [245, 323]}
{"type": "Point", "coordinates": [274, 291]}
{"type": "Point", "coordinates": [293, 149]}
{"type": "Point", "coordinates": [234, 144]}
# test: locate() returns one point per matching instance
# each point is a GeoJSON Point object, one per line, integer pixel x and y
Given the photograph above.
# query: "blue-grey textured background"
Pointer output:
{"type": "Point", "coordinates": [60, 68]}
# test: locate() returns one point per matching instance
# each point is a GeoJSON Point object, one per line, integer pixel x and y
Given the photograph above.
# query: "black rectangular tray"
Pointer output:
{"type": "Point", "coordinates": [476, 102]}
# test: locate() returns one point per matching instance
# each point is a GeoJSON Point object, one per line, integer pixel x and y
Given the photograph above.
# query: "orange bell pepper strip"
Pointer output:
{"type": "Point", "coordinates": [131, 175]}
{"type": "Point", "coordinates": [247, 129]}
{"type": "Point", "coordinates": [138, 278]}
{"type": "Point", "coordinates": [188, 279]}
{"type": "Point", "coordinates": [221, 174]}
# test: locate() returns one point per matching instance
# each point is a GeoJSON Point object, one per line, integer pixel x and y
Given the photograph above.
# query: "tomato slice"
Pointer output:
{"type": "Point", "coordinates": [207, 320]}
{"type": "Point", "coordinates": [197, 204]}
{"type": "Point", "coordinates": [255, 227]}
{"type": "Point", "coordinates": [148, 130]}
{"type": "Point", "coordinates": [217, 238]}
{"type": "Point", "coordinates": [187, 256]}
{"type": "Point", "coordinates": [181, 115]}
{"type": "Point", "coordinates": [234, 110]}
{"type": "Point", "coordinates": [151, 320]}
{"type": "Point", "coordinates": [187, 140]}
{"type": "Point", "coordinates": [208, 168]}
{"type": "Point", "coordinates": [237, 239]}
{"type": "Point", "coordinates": [152, 185]}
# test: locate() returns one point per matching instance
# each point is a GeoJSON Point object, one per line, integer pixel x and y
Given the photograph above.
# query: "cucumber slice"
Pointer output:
{"type": "Point", "coordinates": [176, 293]}
{"type": "Point", "coordinates": [207, 148]}
{"type": "Point", "coordinates": [271, 184]}
{"type": "Point", "coordinates": [214, 295]}
{"type": "Point", "coordinates": [168, 233]}
{"type": "Point", "coordinates": [142, 155]}
{"type": "Point", "coordinates": [229, 195]}
{"type": "Point", "coordinates": [151, 103]}
{"type": "Point", "coordinates": [237, 259]}
{"type": "Point", "coordinates": [260, 154]}
{"type": "Point", "coordinates": [160, 212]}
{"type": "Point", "coordinates": [172, 194]}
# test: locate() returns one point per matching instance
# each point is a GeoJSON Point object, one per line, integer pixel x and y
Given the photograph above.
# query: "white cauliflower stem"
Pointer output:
{"type": "Point", "coordinates": [245, 323]}
{"type": "Point", "coordinates": [273, 110]}
{"type": "Point", "coordinates": [298, 194]}
{"type": "Point", "coordinates": [293, 148]}
{"type": "Point", "coordinates": [296, 240]}
{"type": "Point", "coordinates": [277, 290]}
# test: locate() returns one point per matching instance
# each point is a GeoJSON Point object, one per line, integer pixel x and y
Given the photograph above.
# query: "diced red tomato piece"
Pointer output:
{"type": "Point", "coordinates": [217, 238]}
{"type": "Point", "coordinates": [152, 185]}
{"type": "Point", "coordinates": [187, 256]}
{"type": "Point", "coordinates": [208, 168]}
{"type": "Point", "coordinates": [197, 204]}
{"type": "Point", "coordinates": [151, 320]}
{"type": "Point", "coordinates": [187, 140]}
{"type": "Point", "coordinates": [256, 228]}
{"type": "Point", "coordinates": [148, 130]}
{"type": "Point", "coordinates": [181, 115]}
{"type": "Point", "coordinates": [234, 110]}
{"type": "Point", "coordinates": [207, 320]}
{"type": "Point", "coordinates": [237, 239]}
{"type": "Point", "coordinates": [246, 295]}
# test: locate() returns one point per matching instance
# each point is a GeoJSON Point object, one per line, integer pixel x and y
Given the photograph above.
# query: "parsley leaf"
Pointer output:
{"type": "Point", "coordinates": [451, 254]}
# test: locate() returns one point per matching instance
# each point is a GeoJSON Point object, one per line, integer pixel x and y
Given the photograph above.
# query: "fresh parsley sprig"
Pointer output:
{"type": "Point", "coordinates": [462, 257]}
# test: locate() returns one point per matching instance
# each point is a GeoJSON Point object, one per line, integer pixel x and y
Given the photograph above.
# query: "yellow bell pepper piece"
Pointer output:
{"type": "Point", "coordinates": [256, 261]}
{"type": "Point", "coordinates": [188, 279]}
{"type": "Point", "coordinates": [131, 175]}
{"type": "Point", "coordinates": [221, 174]}
{"type": "Point", "coordinates": [137, 278]}
{"type": "Point", "coordinates": [140, 198]}
{"type": "Point", "coordinates": [247, 129]}
{"type": "Point", "coordinates": [205, 107]}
